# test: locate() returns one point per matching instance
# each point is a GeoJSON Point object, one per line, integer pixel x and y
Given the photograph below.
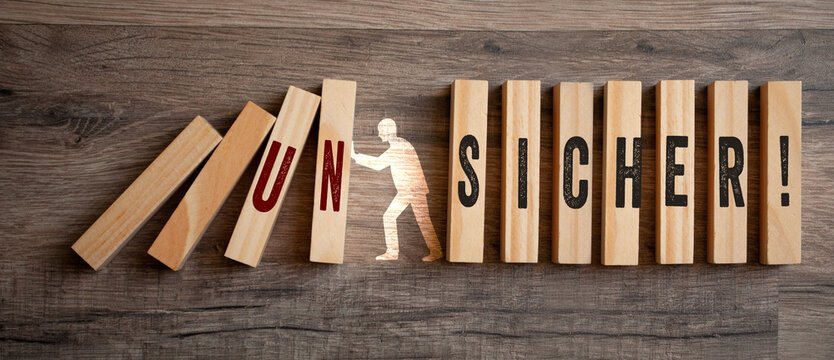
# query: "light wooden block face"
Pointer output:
{"type": "Point", "coordinates": [330, 203]}
{"type": "Point", "coordinates": [781, 212]}
{"type": "Point", "coordinates": [212, 186]}
{"type": "Point", "coordinates": [269, 188]}
{"type": "Point", "coordinates": [727, 158]}
{"type": "Point", "coordinates": [622, 173]}
{"type": "Point", "coordinates": [520, 171]}
{"type": "Point", "coordinates": [467, 171]}
{"type": "Point", "coordinates": [147, 193]}
{"type": "Point", "coordinates": [573, 123]}
{"type": "Point", "coordinates": [675, 214]}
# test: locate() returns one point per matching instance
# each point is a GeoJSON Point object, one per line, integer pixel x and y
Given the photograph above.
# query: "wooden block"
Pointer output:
{"type": "Point", "coordinates": [467, 171]}
{"type": "Point", "coordinates": [727, 172]}
{"type": "Point", "coordinates": [781, 211]}
{"type": "Point", "coordinates": [327, 239]}
{"type": "Point", "coordinates": [621, 164]}
{"type": "Point", "coordinates": [212, 186]}
{"type": "Point", "coordinates": [520, 171]}
{"type": "Point", "coordinates": [675, 214]}
{"type": "Point", "coordinates": [269, 188]}
{"type": "Point", "coordinates": [147, 193]}
{"type": "Point", "coordinates": [573, 123]}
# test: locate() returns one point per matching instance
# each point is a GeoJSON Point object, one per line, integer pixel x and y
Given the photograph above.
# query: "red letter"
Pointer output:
{"type": "Point", "coordinates": [334, 177]}
{"type": "Point", "coordinates": [264, 205]}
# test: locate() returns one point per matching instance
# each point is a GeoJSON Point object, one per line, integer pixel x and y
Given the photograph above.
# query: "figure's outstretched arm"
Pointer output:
{"type": "Point", "coordinates": [374, 162]}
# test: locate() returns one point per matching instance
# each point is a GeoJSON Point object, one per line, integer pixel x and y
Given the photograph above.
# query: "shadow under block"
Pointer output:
{"type": "Point", "coordinates": [675, 210]}
{"type": "Point", "coordinates": [573, 123]}
{"type": "Point", "coordinates": [781, 160]}
{"type": "Point", "coordinates": [727, 172]}
{"type": "Point", "coordinates": [269, 188]}
{"type": "Point", "coordinates": [467, 171]}
{"type": "Point", "coordinates": [520, 171]}
{"type": "Point", "coordinates": [100, 243]}
{"type": "Point", "coordinates": [621, 173]}
{"type": "Point", "coordinates": [212, 186]}
{"type": "Point", "coordinates": [330, 202]}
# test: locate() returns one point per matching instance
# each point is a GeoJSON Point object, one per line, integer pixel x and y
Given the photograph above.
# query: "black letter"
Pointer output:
{"type": "Point", "coordinates": [575, 202]}
{"type": "Point", "coordinates": [731, 174]}
{"type": "Point", "coordinates": [633, 172]}
{"type": "Point", "coordinates": [471, 199]}
{"type": "Point", "coordinates": [522, 173]}
{"type": "Point", "coordinates": [672, 170]}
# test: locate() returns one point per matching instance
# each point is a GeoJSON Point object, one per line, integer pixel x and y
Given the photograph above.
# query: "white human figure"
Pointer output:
{"type": "Point", "coordinates": [411, 190]}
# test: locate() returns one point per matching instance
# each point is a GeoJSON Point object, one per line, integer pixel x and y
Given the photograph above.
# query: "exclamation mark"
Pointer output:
{"type": "Point", "coordinates": [783, 152]}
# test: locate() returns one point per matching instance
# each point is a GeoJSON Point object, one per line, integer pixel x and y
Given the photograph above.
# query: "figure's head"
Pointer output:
{"type": "Point", "coordinates": [387, 129]}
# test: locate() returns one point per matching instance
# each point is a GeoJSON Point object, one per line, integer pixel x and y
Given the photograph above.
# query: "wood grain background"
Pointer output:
{"type": "Point", "coordinates": [89, 95]}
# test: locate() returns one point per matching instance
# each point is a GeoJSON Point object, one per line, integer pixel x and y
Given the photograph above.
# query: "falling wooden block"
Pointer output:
{"type": "Point", "coordinates": [467, 171]}
{"type": "Point", "coordinates": [147, 193]}
{"type": "Point", "coordinates": [781, 212]}
{"type": "Point", "coordinates": [269, 188]}
{"type": "Point", "coordinates": [727, 172]}
{"type": "Point", "coordinates": [573, 122]}
{"type": "Point", "coordinates": [520, 171]}
{"type": "Point", "coordinates": [675, 214]}
{"type": "Point", "coordinates": [327, 239]}
{"type": "Point", "coordinates": [621, 203]}
{"type": "Point", "coordinates": [211, 187]}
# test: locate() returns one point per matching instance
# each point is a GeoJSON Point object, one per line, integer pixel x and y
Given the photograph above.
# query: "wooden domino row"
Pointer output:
{"type": "Point", "coordinates": [622, 172]}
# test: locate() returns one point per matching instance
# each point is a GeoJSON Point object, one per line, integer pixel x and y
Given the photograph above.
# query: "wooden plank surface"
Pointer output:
{"type": "Point", "coordinates": [330, 205]}
{"type": "Point", "coordinates": [467, 171]}
{"type": "Point", "coordinates": [275, 172]}
{"type": "Point", "coordinates": [147, 193]}
{"type": "Point", "coordinates": [435, 15]}
{"type": "Point", "coordinates": [74, 99]}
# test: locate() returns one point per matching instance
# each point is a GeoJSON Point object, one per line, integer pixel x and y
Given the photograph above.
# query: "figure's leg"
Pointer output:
{"type": "Point", "coordinates": [421, 212]}
{"type": "Point", "coordinates": [389, 220]}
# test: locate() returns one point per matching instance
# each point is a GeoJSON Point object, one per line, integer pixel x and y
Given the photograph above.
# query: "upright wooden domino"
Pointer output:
{"type": "Point", "coordinates": [781, 206]}
{"type": "Point", "coordinates": [520, 171]}
{"type": "Point", "coordinates": [327, 238]}
{"type": "Point", "coordinates": [147, 193]}
{"type": "Point", "coordinates": [621, 146]}
{"type": "Point", "coordinates": [269, 188]}
{"type": "Point", "coordinates": [212, 186]}
{"type": "Point", "coordinates": [675, 214]}
{"type": "Point", "coordinates": [467, 171]}
{"type": "Point", "coordinates": [573, 121]}
{"type": "Point", "coordinates": [727, 172]}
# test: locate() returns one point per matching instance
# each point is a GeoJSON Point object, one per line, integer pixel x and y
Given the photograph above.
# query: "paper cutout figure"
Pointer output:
{"type": "Point", "coordinates": [411, 190]}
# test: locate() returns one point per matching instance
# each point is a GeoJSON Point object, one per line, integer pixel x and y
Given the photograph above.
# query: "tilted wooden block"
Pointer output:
{"type": "Point", "coordinates": [675, 214]}
{"type": "Point", "coordinates": [621, 146]}
{"type": "Point", "coordinates": [573, 123]}
{"type": "Point", "coordinates": [727, 172]}
{"type": "Point", "coordinates": [781, 211]}
{"type": "Point", "coordinates": [520, 171]}
{"type": "Point", "coordinates": [269, 188]}
{"type": "Point", "coordinates": [147, 193]}
{"type": "Point", "coordinates": [467, 171]}
{"type": "Point", "coordinates": [211, 187]}
{"type": "Point", "coordinates": [327, 239]}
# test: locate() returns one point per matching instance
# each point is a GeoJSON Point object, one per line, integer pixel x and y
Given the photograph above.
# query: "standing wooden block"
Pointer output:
{"type": "Point", "coordinates": [727, 148]}
{"type": "Point", "coordinates": [211, 187]}
{"type": "Point", "coordinates": [147, 193]}
{"type": "Point", "coordinates": [327, 239]}
{"type": "Point", "coordinates": [675, 214]}
{"type": "Point", "coordinates": [520, 171]}
{"type": "Point", "coordinates": [467, 171]}
{"type": "Point", "coordinates": [573, 121]}
{"type": "Point", "coordinates": [781, 212]}
{"type": "Point", "coordinates": [621, 146]}
{"type": "Point", "coordinates": [269, 188]}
